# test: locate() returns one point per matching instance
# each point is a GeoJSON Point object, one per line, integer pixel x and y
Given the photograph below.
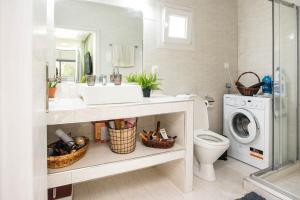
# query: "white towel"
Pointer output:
{"type": "Point", "coordinates": [123, 56]}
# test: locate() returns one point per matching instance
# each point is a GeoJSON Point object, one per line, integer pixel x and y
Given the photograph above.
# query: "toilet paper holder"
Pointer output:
{"type": "Point", "coordinates": [209, 101]}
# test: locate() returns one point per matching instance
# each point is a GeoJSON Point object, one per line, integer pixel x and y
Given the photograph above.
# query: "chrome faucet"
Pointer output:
{"type": "Point", "coordinates": [103, 79]}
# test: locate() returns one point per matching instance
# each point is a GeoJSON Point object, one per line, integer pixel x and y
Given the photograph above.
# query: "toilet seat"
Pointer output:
{"type": "Point", "coordinates": [210, 138]}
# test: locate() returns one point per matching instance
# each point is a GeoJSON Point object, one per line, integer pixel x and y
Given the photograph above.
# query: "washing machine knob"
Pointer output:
{"type": "Point", "coordinates": [243, 103]}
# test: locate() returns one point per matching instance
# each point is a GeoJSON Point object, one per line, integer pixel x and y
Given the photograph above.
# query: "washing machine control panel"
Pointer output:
{"type": "Point", "coordinates": [244, 103]}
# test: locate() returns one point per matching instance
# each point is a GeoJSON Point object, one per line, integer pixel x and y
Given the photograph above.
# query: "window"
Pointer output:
{"type": "Point", "coordinates": [176, 28]}
{"type": "Point", "coordinates": [66, 64]}
{"type": "Point", "coordinates": [66, 69]}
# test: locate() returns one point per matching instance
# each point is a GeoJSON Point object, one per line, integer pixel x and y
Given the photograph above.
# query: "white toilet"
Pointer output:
{"type": "Point", "coordinates": [208, 147]}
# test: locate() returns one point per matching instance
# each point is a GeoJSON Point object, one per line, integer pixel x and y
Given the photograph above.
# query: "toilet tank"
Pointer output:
{"type": "Point", "coordinates": [200, 115]}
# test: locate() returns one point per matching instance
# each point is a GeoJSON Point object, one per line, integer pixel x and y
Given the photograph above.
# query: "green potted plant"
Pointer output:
{"type": "Point", "coordinates": [52, 88]}
{"type": "Point", "coordinates": [83, 79]}
{"type": "Point", "coordinates": [132, 78]}
{"type": "Point", "coordinates": [147, 82]}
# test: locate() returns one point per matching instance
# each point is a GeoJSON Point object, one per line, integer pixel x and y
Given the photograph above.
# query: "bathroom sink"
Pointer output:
{"type": "Point", "coordinates": [110, 93]}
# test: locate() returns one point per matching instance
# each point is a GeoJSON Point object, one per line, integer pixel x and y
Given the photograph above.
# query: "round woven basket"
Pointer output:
{"type": "Point", "coordinates": [55, 162]}
{"type": "Point", "coordinates": [122, 141]}
{"type": "Point", "coordinates": [158, 144]}
{"type": "Point", "coordinates": [247, 91]}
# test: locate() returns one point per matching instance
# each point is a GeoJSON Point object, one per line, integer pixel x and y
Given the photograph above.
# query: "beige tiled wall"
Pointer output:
{"type": "Point", "coordinates": [200, 71]}
{"type": "Point", "coordinates": [254, 37]}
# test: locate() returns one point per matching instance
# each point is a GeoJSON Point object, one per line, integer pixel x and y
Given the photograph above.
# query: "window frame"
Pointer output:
{"type": "Point", "coordinates": [176, 43]}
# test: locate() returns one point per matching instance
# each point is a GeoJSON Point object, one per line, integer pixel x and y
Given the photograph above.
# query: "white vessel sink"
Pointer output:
{"type": "Point", "coordinates": [108, 94]}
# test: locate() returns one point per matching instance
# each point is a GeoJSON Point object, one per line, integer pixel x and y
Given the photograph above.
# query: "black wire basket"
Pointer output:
{"type": "Point", "coordinates": [122, 141]}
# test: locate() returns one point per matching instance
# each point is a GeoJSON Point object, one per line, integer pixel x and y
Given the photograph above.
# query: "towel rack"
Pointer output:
{"type": "Point", "coordinates": [135, 46]}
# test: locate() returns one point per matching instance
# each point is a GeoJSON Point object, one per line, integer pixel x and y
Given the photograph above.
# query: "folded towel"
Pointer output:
{"type": "Point", "coordinates": [88, 64]}
{"type": "Point", "coordinates": [123, 56]}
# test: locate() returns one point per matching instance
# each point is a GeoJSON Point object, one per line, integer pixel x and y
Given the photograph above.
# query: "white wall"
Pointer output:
{"type": "Point", "coordinates": [254, 38]}
{"type": "Point", "coordinates": [201, 70]}
{"type": "Point", "coordinates": [22, 87]}
{"type": "Point", "coordinates": [67, 43]}
{"type": "Point", "coordinates": [113, 25]}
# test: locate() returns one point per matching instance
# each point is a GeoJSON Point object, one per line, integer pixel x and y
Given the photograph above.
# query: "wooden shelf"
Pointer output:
{"type": "Point", "coordinates": [100, 161]}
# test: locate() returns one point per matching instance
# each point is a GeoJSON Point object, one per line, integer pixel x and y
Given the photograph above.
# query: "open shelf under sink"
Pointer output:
{"type": "Point", "coordinates": [100, 158]}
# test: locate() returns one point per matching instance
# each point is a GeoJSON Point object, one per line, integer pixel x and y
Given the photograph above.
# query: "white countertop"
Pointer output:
{"type": "Point", "coordinates": [74, 110]}
{"type": "Point", "coordinates": [77, 103]}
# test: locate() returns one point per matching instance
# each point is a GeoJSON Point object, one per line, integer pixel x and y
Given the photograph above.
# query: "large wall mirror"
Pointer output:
{"type": "Point", "coordinates": [94, 38]}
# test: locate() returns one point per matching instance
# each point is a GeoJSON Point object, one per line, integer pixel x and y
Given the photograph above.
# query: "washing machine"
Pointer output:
{"type": "Point", "coordinates": [248, 126]}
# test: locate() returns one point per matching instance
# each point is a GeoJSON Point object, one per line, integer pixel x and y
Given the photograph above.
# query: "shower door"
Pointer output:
{"type": "Point", "coordinates": [285, 73]}
{"type": "Point", "coordinates": [284, 176]}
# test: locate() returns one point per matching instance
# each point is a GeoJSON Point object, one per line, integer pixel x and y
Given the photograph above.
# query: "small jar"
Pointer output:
{"type": "Point", "coordinates": [90, 80]}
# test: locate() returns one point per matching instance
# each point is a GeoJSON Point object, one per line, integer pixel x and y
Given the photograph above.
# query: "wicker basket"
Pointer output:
{"type": "Point", "coordinates": [247, 91]}
{"type": "Point", "coordinates": [55, 162]}
{"type": "Point", "coordinates": [161, 144]}
{"type": "Point", "coordinates": [122, 141]}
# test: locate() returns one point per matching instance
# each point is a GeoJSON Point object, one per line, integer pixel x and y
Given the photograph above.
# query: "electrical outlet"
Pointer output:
{"type": "Point", "coordinates": [226, 65]}
{"type": "Point", "coordinates": [155, 70]}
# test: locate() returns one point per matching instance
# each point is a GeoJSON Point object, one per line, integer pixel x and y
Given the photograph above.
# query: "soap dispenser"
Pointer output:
{"type": "Point", "coordinates": [116, 78]}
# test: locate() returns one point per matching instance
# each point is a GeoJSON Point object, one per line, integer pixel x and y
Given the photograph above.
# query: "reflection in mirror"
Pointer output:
{"type": "Point", "coordinates": [96, 39]}
{"type": "Point", "coordinates": [74, 52]}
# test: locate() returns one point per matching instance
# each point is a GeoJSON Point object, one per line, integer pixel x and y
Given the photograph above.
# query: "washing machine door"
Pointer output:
{"type": "Point", "coordinates": [243, 126]}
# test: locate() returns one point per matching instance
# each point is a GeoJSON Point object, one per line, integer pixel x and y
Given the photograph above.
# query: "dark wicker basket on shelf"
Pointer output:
{"type": "Point", "coordinates": [161, 144]}
{"type": "Point", "coordinates": [55, 162]}
{"type": "Point", "coordinates": [247, 91]}
{"type": "Point", "coordinates": [122, 141]}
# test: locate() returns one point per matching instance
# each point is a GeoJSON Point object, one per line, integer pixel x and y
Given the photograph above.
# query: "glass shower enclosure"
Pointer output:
{"type": "Point", "coordinates": [284, 174]}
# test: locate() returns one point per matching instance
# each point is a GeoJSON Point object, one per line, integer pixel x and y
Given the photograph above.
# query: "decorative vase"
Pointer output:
{"type": "Point", "coordinates": [51, 92]}
{"type": "Point", "coordinates": [146, 92]}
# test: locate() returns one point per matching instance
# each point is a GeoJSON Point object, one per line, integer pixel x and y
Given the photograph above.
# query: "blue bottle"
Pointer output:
{"type": "Point", "coordinates": [267, 84]}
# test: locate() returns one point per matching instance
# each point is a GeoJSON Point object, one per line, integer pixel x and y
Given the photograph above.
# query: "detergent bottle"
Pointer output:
{"type": "Point", "coordinates": [267, 84]}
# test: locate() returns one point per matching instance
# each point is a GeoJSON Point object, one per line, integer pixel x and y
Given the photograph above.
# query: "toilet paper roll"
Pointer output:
{"type": "Point", "coordinates": [208, 104]}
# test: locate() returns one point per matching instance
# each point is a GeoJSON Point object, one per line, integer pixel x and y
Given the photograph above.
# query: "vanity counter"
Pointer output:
{"type": "Point", "coordinates": [74, 110]}
{"type": "Point", "coordinates": [175, 114]}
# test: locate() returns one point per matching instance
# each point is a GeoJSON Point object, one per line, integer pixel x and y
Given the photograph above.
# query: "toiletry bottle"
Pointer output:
{"type": "Point", "coordinates": [67, 139]}
{"type": "Point", "coordinates": [228, 87]}
{"type": "Point", "coordinates": [118, 124]}
{"type": "Point", "coordinates": [158, 135]}
{"type": "Point", "coordinates": [101, 132]}
{"type": "Point", "coordinates": [267, 85]}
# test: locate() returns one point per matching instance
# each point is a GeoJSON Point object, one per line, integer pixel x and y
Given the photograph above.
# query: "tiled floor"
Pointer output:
{"type": "Point", "coordinates": [287, 179]}
{"type": "Point", "coordinates": [149, 184]}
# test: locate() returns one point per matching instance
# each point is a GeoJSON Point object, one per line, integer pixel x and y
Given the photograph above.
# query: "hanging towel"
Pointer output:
{"type": "Point", "coordinates": [88, 64]}
{"type": "Point", "coordinates": [123, 56]}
